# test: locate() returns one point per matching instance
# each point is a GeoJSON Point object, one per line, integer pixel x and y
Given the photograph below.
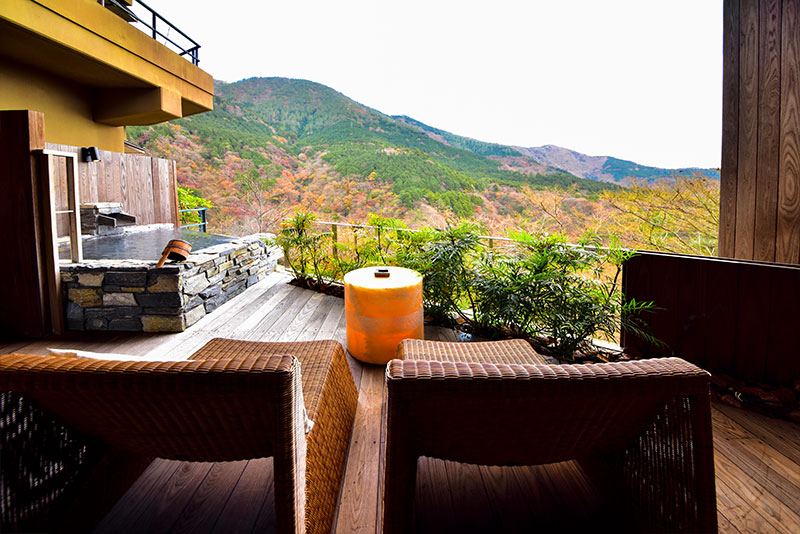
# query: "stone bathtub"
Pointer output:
{"type": "Point", "coordinates": [132, 295]}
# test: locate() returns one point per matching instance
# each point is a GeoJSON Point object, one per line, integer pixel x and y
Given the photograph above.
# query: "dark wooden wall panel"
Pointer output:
{"type": "Point", "coordinates": [751, 301]}
{"type": "Point", "coordinates": [25, 310]}
{"type": "Point", "coordinates": [144, 185]}
{"type": "Point", "coordinates": [720, 334]}
{"type": "Point", "coordinates": [691, 313]}
{"type": "Point", "coordinates": [784, 300]}
{"type": "Point", "coordinates": [729, 316]}
{"type": "Point", "coordinates": [788, 226]}
{"type": "Point", "coordinates": [730, 129]}
{"type": "Point", "coordinates": [769, 122]}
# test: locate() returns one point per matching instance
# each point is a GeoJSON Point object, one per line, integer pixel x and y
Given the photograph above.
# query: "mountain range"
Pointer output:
{"type": "Point", "coordinates": [552, 157]}
{"type": "Point", "coordinates": [271, 143]}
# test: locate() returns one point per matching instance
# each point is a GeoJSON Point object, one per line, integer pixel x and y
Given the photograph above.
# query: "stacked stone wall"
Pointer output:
{"type": "Point", "coordinates": [132, 295]}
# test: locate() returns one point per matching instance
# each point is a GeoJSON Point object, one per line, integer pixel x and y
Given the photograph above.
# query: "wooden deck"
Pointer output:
{"type": "Point", "coordinates": [757, 457]}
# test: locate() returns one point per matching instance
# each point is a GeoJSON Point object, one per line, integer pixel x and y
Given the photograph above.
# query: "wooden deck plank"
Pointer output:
{"type": "Point", "coordinates": [138, 497]}
{"type": "Point", "coordinates": [163, 511]}
{"type": "Point", "coordinates": [314, 324]}
{"type": "Point", "coordinates": [433, 505]}
{"type": "Point", "coordinates": [763, 464]}
{"type": "Point", "coordinates": [781, 517]}
{"type": "Point", "coordinates": [253, 493]}
{"type": "Point", "coordinates": [724, 526]}
{"type": "Point", "coordinates": [228, 313]}
{"type": "Point", "coordinates": [330, 326]}
{"type": "Point", "coordinates": [504, 495]}
{"type": "Point", "coordinates": [469, 497]}
{"type": "Point", "coordinates": [301, 319]}
{"type": "Point", "coordinates": [285, 305]}
{"type": "Point", "coordinates": [284, 320]}
{"type": "Point", "coordinates": [783, 436]}
{"type": "Point", "coordinates": [203, 508]}
{"type": "Point", "coordinates": [739, 512]}
{"type": "Point", "coordinates": [359, 498]}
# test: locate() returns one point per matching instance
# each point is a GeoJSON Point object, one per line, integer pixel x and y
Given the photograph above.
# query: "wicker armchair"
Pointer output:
{"type": "Point", "coordinates": [235, 400]}
{"type": "Point", "coordinates": [641, 430]}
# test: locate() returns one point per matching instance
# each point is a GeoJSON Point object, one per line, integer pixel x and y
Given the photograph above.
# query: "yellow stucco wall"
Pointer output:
{"type": "Point", "coordinates": [67, 107]}
{"type": "Point", "coordinates": [91, 73]}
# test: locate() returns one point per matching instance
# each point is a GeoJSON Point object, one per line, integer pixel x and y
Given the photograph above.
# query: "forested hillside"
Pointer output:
{"type": "Point", "coordinates": [273, 144]}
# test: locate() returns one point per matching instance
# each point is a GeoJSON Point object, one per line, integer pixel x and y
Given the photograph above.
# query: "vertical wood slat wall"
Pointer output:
{"type": "Point", "coordinates": [146, 186]}
{"type": "Point", "coordinates": [760, 187]}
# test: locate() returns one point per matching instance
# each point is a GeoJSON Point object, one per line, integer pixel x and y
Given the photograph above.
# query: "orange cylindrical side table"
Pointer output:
{"type": "Point", "coordinates": [381, 311]}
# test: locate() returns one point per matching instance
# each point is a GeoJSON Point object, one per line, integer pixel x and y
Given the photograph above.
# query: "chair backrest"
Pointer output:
{"type": "Point", "coordinates": [533, 414]}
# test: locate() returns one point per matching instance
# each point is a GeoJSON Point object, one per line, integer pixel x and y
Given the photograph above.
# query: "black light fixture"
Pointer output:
{"type": "Point", "coordinates": [90, 153]}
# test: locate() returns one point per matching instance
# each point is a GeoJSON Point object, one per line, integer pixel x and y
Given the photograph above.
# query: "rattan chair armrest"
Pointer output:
{"type": "Point", "coordinates": [25, 364]}
{"type": "Point", "coordinates": [642, 369]}
{"type": "Point", "coordinates": [205, 410]}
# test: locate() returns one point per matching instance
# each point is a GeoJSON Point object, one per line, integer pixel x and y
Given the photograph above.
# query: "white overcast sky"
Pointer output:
{"type": "Point", "coordinates": [635, 79]}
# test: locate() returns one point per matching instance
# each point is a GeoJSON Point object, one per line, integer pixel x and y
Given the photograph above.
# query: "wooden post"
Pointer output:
{"type": "Point", "coordinates": [173, 182]}
{"type": "Point", "coordinates": [74, 205]}
{"type": "Point", "coordinates": [50, 242]}
{"type": "Point", "coordinates": [334, 240]}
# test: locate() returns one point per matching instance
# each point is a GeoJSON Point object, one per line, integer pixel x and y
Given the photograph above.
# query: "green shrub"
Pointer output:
{"type": "Point", "coordinates": [539, 287]}
{"type": "Point", "coordinates": [190, 199]}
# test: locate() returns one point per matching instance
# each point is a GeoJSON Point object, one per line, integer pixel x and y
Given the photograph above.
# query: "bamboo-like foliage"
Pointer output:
{"type": "Point", "coordinates": [540, 287]}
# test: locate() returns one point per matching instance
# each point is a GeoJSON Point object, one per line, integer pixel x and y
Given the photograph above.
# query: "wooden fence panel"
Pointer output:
{"type": "Point", "coordinates": [146, 186]}
{"type": "Point", "coordinates": [162, 200]}
{"type": "Point", "coordinates": [729, 316]}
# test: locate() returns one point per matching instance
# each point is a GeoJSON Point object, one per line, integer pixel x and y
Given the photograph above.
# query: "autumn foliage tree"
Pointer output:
{"type": "Point", "coordinates": [679, 215]}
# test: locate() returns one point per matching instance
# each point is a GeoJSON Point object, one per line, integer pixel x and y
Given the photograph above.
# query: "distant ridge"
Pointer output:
{"type": "Point", "coordinates": [552, 158]}
{"type": "Point", "coordinates": [605, 168]}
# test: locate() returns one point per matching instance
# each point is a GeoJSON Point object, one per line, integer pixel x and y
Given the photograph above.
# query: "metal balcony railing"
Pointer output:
{"type": "Point", "coordinates": [150, 21]}
{"type": "Point", "coordinates": [203, 224]}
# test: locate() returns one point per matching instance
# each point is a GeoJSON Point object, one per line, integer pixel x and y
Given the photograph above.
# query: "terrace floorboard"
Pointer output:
{"type": "Point", "coordinates": [757, 457]}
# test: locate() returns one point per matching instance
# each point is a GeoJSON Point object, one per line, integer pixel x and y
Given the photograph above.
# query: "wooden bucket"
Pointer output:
{"type": "Point", "coordinates": [176, 250]}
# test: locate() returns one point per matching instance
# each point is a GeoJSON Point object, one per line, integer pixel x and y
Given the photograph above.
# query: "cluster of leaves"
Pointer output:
{"type": "Point", "coordinates": [190, 199]}
{"type": "Point", "coordinates": [679, 215]}
{"type": "Point", "coordinates": [323, 256]}
{"type": "Point", "coordinates": [540, 287]}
